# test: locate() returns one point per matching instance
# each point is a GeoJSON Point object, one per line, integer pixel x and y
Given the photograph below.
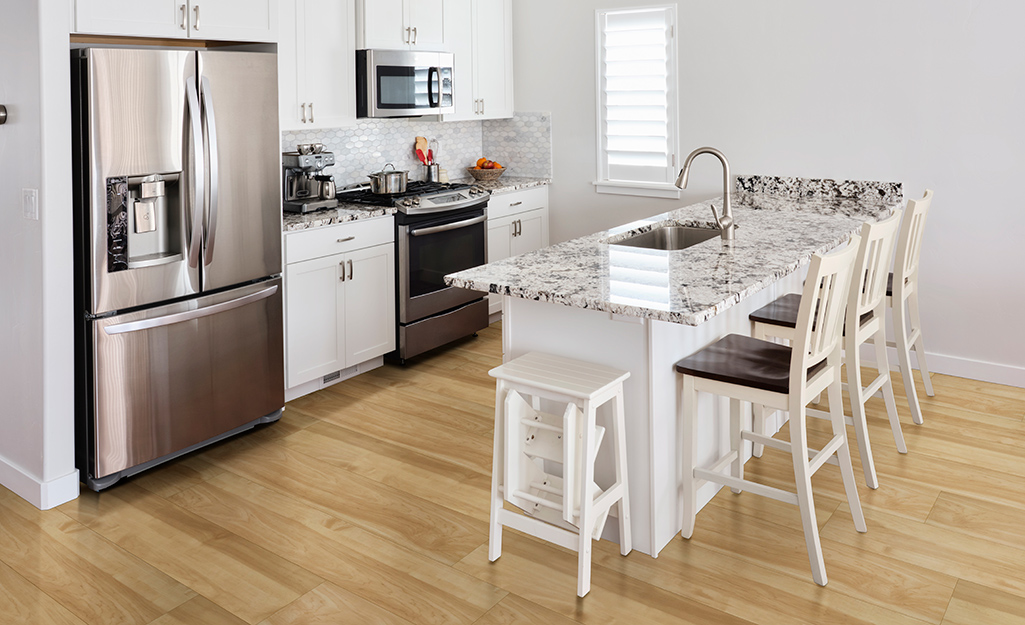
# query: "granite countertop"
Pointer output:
{"type": "Point", "coordinates": [347, 211]}
{"type": "Point", "coordinates": [295, 222]}
{"type": "Point", "coordinates": [782, 223]}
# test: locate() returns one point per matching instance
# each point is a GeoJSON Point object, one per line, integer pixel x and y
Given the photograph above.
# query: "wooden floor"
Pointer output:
{"type": "Point", "coordinates": [368, 503]}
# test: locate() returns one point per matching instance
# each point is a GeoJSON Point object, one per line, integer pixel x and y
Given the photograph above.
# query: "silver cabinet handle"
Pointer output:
{"type": "Point", "coordinates": [3, 114]}
{"type": "Point", "coordinates": [206, 101]}
{"type": "Point", "coordinates": [516, 203]}
{"type": "Point", "coordinates": [311, 112]}
{"type": "Point", "coordinates": [346, 239]}
{"type": "Point", "coordinates": [342, 265]}
{"type": "Point", "coordinates": [304, 112]}
{"type": "Point", "coordinates": [350, 269]}
{"type": "Point", "coordinates": [189, 315]}
{"type": "Point", "coordinates": [195, 25]}
{"type": "Point", "coordinates": [185, 15]}
{"type": "Point", "coordinates": [447, 227]}
{"type": "Point", "coordinates": [414, 35]}
{"type": "Point", "coordinates": [482, 106]}
{"type": "Point", "coordinates": [407, 34]}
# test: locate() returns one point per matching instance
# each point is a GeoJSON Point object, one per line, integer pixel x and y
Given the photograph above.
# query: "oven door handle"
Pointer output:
{"type": "Point", "coordinates": [446, 227]}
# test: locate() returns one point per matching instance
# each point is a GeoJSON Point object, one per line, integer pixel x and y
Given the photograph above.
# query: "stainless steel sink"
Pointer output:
{"type": "Point", "coordinates": [670, 238]}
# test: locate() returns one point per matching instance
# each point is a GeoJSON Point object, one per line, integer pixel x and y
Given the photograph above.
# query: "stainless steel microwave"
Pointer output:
{"type": "Point", "coordinates": [403, 83]}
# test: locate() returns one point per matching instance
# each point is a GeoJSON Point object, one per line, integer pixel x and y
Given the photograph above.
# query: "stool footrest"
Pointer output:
{"type": "Point", "coordinates": [754, 487]}
{"type": "Point", "coordinates": [826, 453]}
{"type": "Point", "coordinates": [876, 384]}
{"type": "Point", "coordinates": [768, 441]}
{"type": "Point", "coordinates": [544, 530]}
{"type": "Point", "coordinates": [823, 414]}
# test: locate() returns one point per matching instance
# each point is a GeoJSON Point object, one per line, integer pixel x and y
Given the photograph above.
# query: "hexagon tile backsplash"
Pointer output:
{"type": "Point", "coordinates": [523, 144]}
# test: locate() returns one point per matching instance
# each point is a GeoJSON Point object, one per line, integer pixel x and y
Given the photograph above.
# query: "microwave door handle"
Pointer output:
{"type": "Point", "coordinates": [210, 133]}
{"type": "Point", "coordinates": [433, 71]}
{"type": "Point", "coordinates": [453, 226]}
{"type": "Point", "coordinates": [198, 172]}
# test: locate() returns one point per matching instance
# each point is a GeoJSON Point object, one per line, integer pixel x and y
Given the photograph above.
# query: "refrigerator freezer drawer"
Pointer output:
{"type": "Point", "coordinates": [173, 376]}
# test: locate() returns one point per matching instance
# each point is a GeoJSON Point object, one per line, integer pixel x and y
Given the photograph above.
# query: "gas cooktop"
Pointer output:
{"type": "Point", "coordinates": [422, 197]}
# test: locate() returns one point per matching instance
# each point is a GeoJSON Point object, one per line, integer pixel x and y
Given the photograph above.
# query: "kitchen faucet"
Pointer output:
{"type": "Point", "coordinates": [725, 223]}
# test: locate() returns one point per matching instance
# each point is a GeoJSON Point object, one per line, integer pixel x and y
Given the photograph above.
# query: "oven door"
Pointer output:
{"type": "Point", "coordinates": [396, 83]}
{"type": "Point", "coordinates": [431, 248]}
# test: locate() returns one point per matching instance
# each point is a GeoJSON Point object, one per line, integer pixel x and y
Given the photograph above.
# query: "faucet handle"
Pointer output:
{"type": "Point", "coordinates": [715, 214]}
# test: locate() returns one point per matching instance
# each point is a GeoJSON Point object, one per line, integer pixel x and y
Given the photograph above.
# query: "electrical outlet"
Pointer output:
{"type": "Point", "coordinates": [30, 203]}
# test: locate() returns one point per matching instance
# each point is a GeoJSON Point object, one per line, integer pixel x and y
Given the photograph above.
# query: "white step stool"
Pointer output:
{"type": "Point", "coordinates": [527, 441]}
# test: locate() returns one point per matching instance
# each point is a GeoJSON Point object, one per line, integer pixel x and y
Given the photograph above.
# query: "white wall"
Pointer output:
{"type": "Point", "coordinates": [927, 92]}
{"type": "Point", "coordinates": [36, 349]}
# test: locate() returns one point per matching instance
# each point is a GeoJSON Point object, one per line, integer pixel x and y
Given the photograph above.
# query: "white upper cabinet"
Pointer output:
{"type": "Point", "coordinates": [316, 64]}
{"type": "Point", "coordinates": [400, 24]}
{"type": "Point", "coordinates": [220, 20]}
{"type": "Point", "coordinates": [479, 34]}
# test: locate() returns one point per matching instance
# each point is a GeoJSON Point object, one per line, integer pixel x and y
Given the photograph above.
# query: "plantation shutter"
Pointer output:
{"type": "Point", "coordinates": [636, 79]}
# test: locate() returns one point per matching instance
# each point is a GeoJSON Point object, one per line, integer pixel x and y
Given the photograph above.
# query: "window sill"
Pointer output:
{"type": "Point", "coordinates": [639, 189]}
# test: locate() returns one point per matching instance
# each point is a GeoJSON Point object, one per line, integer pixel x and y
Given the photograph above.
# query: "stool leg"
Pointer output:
{"type": "Point", "coordinates": [916, 324]}
{"type": "Point", "coordinates": [857, 392]}
{"type": "Point", "coordinates": [900, 330]}
{"type": "Point", "coordinates": [736, 443]}
{"type": "Point", "coordinates": [619, 427]}
{"type": "Point", "coordinates": [688, 430]}
{"type": "Point", "coordinates": [805, 501]}
{"type": "Point", "coordinates": [586, 523]}
{"type": "Point", "coordinates": [758, 426]}
{"type": "Point", "coordinates": [843, 454]}
{"type": "Point", "coordinates": [883, 367]}
{"type": "Point", "coordinates": [497, 469]}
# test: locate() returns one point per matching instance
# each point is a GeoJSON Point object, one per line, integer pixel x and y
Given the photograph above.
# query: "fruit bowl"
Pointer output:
{"type": "Point", "coordinates": [486, 174]}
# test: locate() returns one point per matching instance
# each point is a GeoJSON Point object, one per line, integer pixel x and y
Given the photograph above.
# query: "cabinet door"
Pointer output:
{"type": "Point", "coordinates": [140, 18]}
{"type": "Point", "coordinates": [369, 303]}
{"type": "Point", "coordinates": [499, 247]}
{"type": "Point", "coordinates": [531, 232]}
{"type": "Point", "coordinates": [290, 63]}
{"type": "Point", "coordinates": [234, 20]}
{"type": "Point", "coordinates": [314, 328]}
{"type": "Point", "coordinates": [426, 16]}
{"type": "Point", "coordinates": [383, 24]}
{"type": "Point", "coordinates": [493, 57]}
{"type": "Point", "coordinates": [459, 41]}
{"type": "Point", "coordinates": [329, 63]}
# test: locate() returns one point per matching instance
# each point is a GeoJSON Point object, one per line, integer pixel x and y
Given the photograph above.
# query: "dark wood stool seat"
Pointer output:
{"type": "Point", "coordinates": [783, 312]}
{"type": "Point", "coordinates": [742, 360]}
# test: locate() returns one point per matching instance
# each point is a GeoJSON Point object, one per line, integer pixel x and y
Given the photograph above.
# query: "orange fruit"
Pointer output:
{"type": "Point", "coordinates": [480, 162]}
{"type": "Point", "coordinates": [496, 165]}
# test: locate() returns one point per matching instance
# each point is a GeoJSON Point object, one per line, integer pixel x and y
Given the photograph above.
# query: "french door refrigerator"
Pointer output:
{"type": "Point", "coordinates": [178, 248]}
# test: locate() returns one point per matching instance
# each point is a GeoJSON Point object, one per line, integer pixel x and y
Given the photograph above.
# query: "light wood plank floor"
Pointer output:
{"type": "Point", "coordinates": [368, 503]}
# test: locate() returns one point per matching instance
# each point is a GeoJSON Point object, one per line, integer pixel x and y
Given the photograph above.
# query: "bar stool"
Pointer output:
{"type": "Point", "coordinates": [865, 321]}
{"type": "Point", "coordinates": [781, 377]}
{"type": "Point", "coordinates": [569, 510]}
{"type": "Point", "coordinates": [907, 326]}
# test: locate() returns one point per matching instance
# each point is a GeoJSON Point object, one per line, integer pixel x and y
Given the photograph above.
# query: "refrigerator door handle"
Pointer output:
{"type": "Point", "coordinates": [198, 174]}
{"type": "Point", "coordinates": [210, 134]}
{"type": "Point", "coordinates": [189, 315]}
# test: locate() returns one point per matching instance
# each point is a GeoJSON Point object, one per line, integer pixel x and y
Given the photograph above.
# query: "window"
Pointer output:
{"type": "Point", "coordinates": [637, 113]}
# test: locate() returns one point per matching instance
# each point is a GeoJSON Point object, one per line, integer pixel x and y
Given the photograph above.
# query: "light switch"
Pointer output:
{"type": "Point", "coordinates": [30, 203]}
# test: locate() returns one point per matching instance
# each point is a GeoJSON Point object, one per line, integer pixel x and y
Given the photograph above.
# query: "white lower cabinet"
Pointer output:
{"type": "Point", "coordinates": [517, 224]}
{"type": "Point", "coordinates": [339, 307]}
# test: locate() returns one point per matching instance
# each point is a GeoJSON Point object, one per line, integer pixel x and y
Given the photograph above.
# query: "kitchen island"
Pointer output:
{"type": "Point", "coordinates": [642, 310]}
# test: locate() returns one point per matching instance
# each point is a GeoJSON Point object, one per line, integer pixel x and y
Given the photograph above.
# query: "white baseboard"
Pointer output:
{"type": "Point", "coordinates": [43, 495]}
{"type": "Point", "coordinates": [1009, 375]}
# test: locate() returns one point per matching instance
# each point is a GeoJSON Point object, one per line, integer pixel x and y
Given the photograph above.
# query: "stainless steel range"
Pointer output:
{"type": "Point", "coordinates": [441, 228]}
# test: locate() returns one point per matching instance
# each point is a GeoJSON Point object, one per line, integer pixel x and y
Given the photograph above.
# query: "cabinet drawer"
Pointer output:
{"type": "Point", "coordinates": [354, 235]}
{"type": "Point", "coordinates": [504, 204]}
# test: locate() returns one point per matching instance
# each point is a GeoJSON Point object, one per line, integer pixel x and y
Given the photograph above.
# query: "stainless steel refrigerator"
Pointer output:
{"type": "Point", "coordinates": [178, 247]}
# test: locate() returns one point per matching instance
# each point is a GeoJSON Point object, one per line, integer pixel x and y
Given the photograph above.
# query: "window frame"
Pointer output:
{"type": "Point", "coordinates": [603, 183]}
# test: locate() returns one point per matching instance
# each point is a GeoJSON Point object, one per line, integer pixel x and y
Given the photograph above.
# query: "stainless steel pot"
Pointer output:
{"type": "Point", "coordinates": [386, 181]}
